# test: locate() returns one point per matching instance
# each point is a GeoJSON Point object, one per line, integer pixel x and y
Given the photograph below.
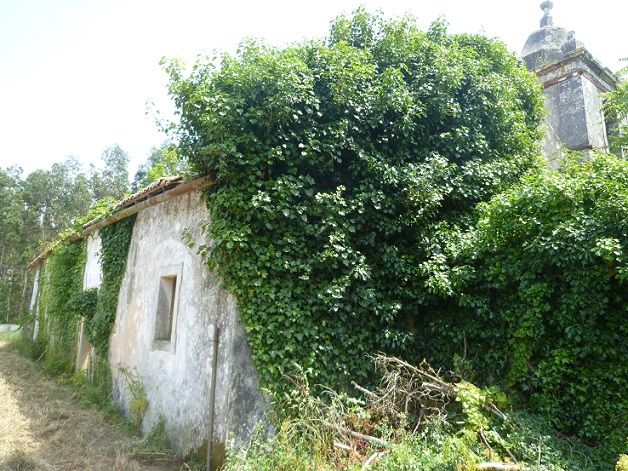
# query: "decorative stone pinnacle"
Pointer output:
{"type": "Point", "coordinates": [547, 19]}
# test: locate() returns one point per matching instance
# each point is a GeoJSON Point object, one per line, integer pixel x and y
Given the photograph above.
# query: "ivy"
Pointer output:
{"type": "Point", "coordinates": [83, 304]}
{"type": "Point", "coordinates": [342, 169]}
{"type": "Point", "coordinates": [543, 283]}
{"type": "Point", "coordinates": [62, 301]}
{"type": "Point", "coordinates": [116, 239]}
{"type": "Point", "coordinates": [61, 283]}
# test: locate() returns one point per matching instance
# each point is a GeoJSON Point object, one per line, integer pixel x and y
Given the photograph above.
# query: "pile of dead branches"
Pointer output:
{"type": "Point", "coordinates": [407, 396]}
{"type": "Point", "coordinates": [415, 393]}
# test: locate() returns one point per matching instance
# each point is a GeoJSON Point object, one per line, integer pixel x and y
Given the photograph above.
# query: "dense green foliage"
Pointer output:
{"type": "Point", "coordinates": [116, 239]}
{"type": "Point", "coordinates": [616, 110]}
{"type": "Point", "coordinates": [341, 170]}
{"type": "Point", "coordinates": [543, 288]}
{"type": "Point", "coordinates": [469, 435]}
{"type": "Point", "coordinates": [58, 310]}
{"type": "Point", "coordinates": [16, 245]}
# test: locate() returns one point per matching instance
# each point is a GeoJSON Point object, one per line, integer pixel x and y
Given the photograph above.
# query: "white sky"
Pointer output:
{"type": "Point", "coordinates": [75, 75]}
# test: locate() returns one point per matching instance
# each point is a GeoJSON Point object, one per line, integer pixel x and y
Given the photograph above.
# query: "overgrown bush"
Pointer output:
{"type": "Point", "coordinates": [316, 434]}
{"type": "Point", "coordinates": [543, 290]}
{"type": "Point", "coordinates": [341, 169]}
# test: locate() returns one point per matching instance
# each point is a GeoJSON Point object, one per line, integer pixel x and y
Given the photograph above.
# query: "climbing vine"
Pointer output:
{"type": "Point", "coordinates": [62, 302]}
{"type": "Point", "coordinates": [61, 282]}
{"type": "Point", "coordinates": [116, 239]}
{"type": "Point", "coordinates": [342, 168]}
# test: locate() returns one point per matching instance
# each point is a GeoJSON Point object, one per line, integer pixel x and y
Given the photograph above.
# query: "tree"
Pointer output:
{"type": "Point", "coordinates": [33, 211]}
{"type": "Point", "coordinates": [342, 169]}
{"type": "Point", "coordinates": [13, 244]}
{"type": "Point", "coordinates": [55, 197]}
{"type": "Point", "coordinates": [163, 161]}
{"type": "Point", "coordinates": [113, 179]}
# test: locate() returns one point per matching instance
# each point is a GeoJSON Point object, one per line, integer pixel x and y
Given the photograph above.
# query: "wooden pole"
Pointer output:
{"type": "Point", "coordinates": [23, 298]}
{"type": "Point", "coordinates": [211, 399]}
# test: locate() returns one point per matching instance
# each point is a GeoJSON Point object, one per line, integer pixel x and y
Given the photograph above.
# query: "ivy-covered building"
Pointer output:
{"type": "Point", "coordinates": [175, 332]}
{"type": "Point", "coordinates": [161, 319]}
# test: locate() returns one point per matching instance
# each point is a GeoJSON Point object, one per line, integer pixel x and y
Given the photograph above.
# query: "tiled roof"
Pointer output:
{"type": "Point", "coordinates": [158, 186]}
{"type": "Point", "coordinates": [158, 191]}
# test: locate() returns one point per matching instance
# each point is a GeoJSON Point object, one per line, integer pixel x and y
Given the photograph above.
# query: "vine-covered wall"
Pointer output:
{"type": "Point", "coordinates": [116, 239]}
{"type": "Point", "coordinates": [58, 309]}
{"type": "Point", "coordinates": [62, 302]}
{"type": "Point", "coordinates": [350, 177]}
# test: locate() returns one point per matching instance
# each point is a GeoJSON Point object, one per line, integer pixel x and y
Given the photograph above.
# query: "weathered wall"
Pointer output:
{"type": "Point", "coordinates": [177, 376]}
{"type": "Point", "coordinates": [92, 275]}
{"type": "Point", "coordinates": [596, 124]}
{"type": "Point", "coordinates": [32, 307]}
{"type": "Point", "coordinates": [573, 81]}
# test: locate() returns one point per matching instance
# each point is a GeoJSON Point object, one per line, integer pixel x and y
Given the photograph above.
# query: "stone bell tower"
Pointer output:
{"type": "Point", "coordinates": [573, 82]}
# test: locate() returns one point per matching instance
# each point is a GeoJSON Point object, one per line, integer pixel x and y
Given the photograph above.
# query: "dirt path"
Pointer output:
{"type": "Point", "coordinates": [42, 427]}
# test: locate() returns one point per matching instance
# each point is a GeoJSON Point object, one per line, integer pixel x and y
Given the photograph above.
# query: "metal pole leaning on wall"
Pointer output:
{"type": "Point", "coordinates": [211, 399]}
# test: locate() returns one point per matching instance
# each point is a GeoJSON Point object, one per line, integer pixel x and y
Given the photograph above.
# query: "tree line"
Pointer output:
{"type": "Point", "coordinates": [36, 207]}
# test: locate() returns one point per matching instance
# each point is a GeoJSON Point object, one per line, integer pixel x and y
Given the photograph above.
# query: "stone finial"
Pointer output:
{"type": "Point", "coordinates": [547, 19]}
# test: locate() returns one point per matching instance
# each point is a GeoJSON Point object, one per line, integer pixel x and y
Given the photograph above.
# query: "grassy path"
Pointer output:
{"type": "Point", "coordinates": [42, 427]}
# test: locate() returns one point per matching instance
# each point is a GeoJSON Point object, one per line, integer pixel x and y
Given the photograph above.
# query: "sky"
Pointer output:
{"type": "Point", "coordinates": [77, 76]}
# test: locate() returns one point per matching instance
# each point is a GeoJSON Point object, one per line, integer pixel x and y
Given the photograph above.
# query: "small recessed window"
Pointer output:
{"type": "Point", "coordinates": [165, 308]}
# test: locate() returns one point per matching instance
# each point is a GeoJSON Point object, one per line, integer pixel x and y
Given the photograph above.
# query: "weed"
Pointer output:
{"type": "Point", "coordinates": [340, 433]}
{"type": "Point", "coordinates": [138, 405]}
{"type": "Point", "coordinates": [33, 350]}
{"type": "Point", "coordinates": [157, 440]}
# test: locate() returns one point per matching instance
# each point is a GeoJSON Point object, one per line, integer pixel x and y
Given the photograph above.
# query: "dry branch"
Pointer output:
{"type": "Point", "coordinates": [342, 446]}
{"type": "Point", "coordinates": [411, 391]}
{"type": "Point", "coordinates": [497, 467]}
{"type": "Point", "coordinates": [360, 436]}
{"type": "Point", "coordinates": [373, 458]}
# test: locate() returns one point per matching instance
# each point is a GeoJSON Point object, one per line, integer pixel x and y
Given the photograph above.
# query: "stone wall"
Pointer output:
{"type": "Point", "coordinates": [177, 373]}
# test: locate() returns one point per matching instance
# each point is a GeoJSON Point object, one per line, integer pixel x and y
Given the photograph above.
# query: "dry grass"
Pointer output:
{"type": "Point", "coordinates": [43, 428]}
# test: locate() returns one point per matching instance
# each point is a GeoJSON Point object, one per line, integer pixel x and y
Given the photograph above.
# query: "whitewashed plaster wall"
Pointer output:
{"type": "Point", "coordinates": [177, 379]}
{"type": "Point", "coordinates": [32, 307]}
{"type": "Point", "coordinates": [92, 275]}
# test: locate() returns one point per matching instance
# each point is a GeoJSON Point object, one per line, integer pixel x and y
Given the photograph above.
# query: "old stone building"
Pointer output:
{"type": "Point", "coordinates": [573, 82]}
{"type": "Point", "coordinates": [176, 330]}
{"type": "Point", "coordinates": [179, 331]}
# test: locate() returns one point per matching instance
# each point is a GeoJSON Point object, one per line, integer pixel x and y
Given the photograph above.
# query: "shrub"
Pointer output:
{"type": "Point", "coordinates": [317, 435]}
{"type": "Point", "coordinates": [544, 288]}
{"type": "Point", "coordinates": [341, 170]}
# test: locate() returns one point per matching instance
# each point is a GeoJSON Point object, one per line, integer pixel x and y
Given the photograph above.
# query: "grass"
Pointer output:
{"type": "Point", "coordinates": [21, 460]}
{"type": "Point", "coordinates": [43, 427]}
{"type": "Point", "coordinates": [53, 419]}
